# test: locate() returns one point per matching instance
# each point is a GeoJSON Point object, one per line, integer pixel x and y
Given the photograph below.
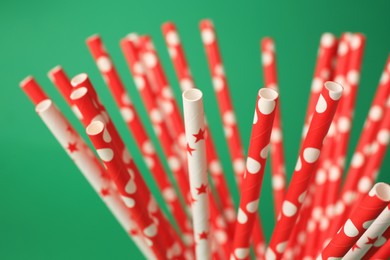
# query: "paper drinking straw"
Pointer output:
{"type": "Point", "coordinates": [197, 169]}
{"type": "Point", "coordinates": [61, 80]}
{"type": "Point", "coordinates": [93, 171]}
{"type": "Point", "coordinates": [347, 74]}
{"type": "Point", "coordinates": [371, 236]}
{"type": "Point", "coordinates": [333, 159]}
{"type": "Point", "coordinates": [177, 56]}
{"type": "Point", "coordinates": [124, 178]}
{"type": "Point", "coordinates": [167, 103]}
{"type": "Point", "coordinates": [136, 127]}
{"type": "Point", "coordinates": [322, 73]}
{"type": "Point", "coordinates": [33, 90]}
{"type": "Point", "coordinates": [357, 223]}
{"type": "Point", "coordinates": [346, 111]}
{"type": "Point", "coordinates": [379, 247]}
{"type": "Point", "coordinates": [226, 110]}
{"type": "Point", "coordinates": [168, 144]}
{"type": "Point", "coordinates": [375, 159]}
{"type": "Point", "coordinates": [183, 73]}
{"type": "Point", "coordinates": [309, 154]}
{"type": "Point", "coordinates": [125, 174]}
{"type": "Point", "coordinates": [278, 169]}
{"type": "Point", "coordinates": [221, 89]}
{"type": "Point", "coordinates": [218, 222]}
{"type": "Point", "coordinates": [255, 164]}
{"type": "Point", "coordinates": [358, 163]}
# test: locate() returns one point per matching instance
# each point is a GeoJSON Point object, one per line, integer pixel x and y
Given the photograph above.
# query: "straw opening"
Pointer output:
{"type": "Point", "coordinates": [94, 128]}
{"type": "Point", "coordinates": [78, 79]}
{"type": "Point", "coordinates": [43, 105]}
{"type": "Point", "coordinates": [268, 94]}
{"type": "Point", "coordinates": [78, 93]}
{"type": "Point", "coordinates": [333, 86]}
{"type": "Point", "coordinates": [192, 95]}
{"type": "Point", "coordinates": [382, 190]}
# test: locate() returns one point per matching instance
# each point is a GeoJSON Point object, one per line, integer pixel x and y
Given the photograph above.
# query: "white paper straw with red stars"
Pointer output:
{"type": "Point", "coordinates": [136, 127]}
{"type": "Point", "coordinates": [183, 73]}
{"type": "Point", "coordinates": [217, 221]}
{"type": "Point", "coordinates": [125, 174]}
{"type": "Point", "coordinates": [84, 159]}
{"type": "Point", "coordinates": [278, 168]}
{"type": "Point", "coordinates": [359, 160]}
{"type": "Point", "coordinates": [197, 169]}
{"type": "Point", "coordinates": [255, 165]}
{"type": "Point", "coordinates": [82, 156]}
{"type": "Point", "coordinates": [306, 164]}
{"type": "Point", "coordinates": [322, 73]}
{"type": "Point", "coordinates": [226, 110]}
{"type": "Point", "coordinates": [360, 219]}
{"type": "Point", "coordinates": [371, 237]}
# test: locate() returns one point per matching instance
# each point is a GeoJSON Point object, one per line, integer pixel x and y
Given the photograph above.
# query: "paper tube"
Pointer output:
{"type": "Point", "coordinates": [322, 73]}
{"type": "Point", "coordinates": [120, 171]}
{"type": "Point", "coordinates": [133, 122]}
{"type": "Point", "coordinates": [255, 166]}
{"type": "Point", "coordinates": [135, 194]}
{"type": "Point", "coordinates": [93, 171]}
{"type": "Point", "coordinates": [306, 164]}
{"type": "Point", "coordinates": [357, 223]}
{"type": "Point", "coordinates": [362, 150]}
{"type": "Point", "coordinates": [33, 90]}
{"type": "Point", "coordinates": [167, 103]}
{"type": "Point", "coordinates": [183, 73]}
{"type": "Point", "coordinates": [232, 135]}
{"type": "Point", "coordinates": [197, 170]}
{"type": "Point", "coordinates": [372, 236]}
{"type": "Point", "coordinates": [278, 168]}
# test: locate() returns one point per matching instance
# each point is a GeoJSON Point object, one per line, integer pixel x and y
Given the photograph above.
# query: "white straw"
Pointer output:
{"type": "Point", "coordinates": [83, 158]}
{"type": "Point", "coordinates": [197, 170]}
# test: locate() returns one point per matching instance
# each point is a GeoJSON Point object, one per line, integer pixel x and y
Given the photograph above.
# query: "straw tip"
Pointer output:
{"type": "Point", "coordinates": [334, 87]}
{"type": "Point", "coordinates": [78, 79]}
{"type": "Point", "coordinates": [381, 190]}
{"type": "Point", "coordinates": [192, 95]}
{"type": "Point", "coordinates": [167, 26]}
{"type": "Point", "coordinates": [93, 37]}
{"type": "Point", "coordinates": [54, 70]}
{"type": "Point", "coordinates": [206, 23]}
{"type": "Point", "coordinates": [26, 81]}
{"type": "Point", "coordinates": [132, 37]}
{"type": "Point", "coordinates": [43, 105]}
{"type": "Point", "coordinates": [269, 94]}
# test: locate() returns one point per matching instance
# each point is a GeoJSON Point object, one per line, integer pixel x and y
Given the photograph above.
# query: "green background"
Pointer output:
{"type": "Point", "coordinates": [47, 209]}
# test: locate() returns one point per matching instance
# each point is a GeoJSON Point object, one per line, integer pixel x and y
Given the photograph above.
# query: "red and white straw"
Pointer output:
{"type": "Point", "coordinates": [197, 170]}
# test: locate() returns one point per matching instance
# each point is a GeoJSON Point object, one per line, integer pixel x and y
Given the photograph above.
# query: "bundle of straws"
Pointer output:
{"type": "Point", "coordinates": [318, 215]}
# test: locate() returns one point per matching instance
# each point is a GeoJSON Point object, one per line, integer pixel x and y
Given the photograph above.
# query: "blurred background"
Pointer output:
{"type": "Point", "coordinates": [47, 209]}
